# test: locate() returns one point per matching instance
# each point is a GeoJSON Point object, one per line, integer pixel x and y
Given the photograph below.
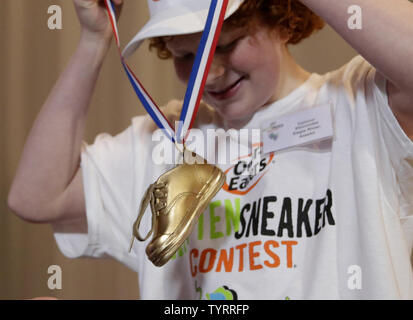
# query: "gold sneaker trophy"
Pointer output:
{"type": "Point", "coordinates": [177, 200]}
{"type": "Point", "coordinates": [180, 195]}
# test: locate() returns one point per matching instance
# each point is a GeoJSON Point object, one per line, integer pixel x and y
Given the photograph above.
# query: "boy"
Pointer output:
{"type": "Point", "coordinates": [296, 226]}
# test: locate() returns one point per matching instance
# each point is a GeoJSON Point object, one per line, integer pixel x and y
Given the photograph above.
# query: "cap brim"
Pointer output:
{"type": "Point", "coordinates": [177, 21]}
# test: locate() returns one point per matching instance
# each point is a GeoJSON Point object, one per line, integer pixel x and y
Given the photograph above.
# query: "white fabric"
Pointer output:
{"type": "Point", "coordinates": [363, 236]}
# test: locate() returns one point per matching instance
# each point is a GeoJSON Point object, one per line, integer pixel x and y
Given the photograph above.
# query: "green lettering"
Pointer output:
{"type": "Point", "coordinates": [214, 219]}
{"type": "Point", "coordinates": [232, 215]}
{"type": "Point", "coordinates": [201, 227]}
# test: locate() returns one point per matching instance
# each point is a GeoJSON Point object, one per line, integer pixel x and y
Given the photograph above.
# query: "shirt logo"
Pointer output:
{"type": "Point", "coordinates": [249, 170]}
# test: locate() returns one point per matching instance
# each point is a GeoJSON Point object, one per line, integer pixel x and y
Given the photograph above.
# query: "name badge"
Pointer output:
{"type": "Point", "coordinates": [298, 129]}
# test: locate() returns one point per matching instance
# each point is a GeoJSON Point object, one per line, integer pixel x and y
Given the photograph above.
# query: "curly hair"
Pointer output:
{"type": "Point", "coordinates": [289, 16]}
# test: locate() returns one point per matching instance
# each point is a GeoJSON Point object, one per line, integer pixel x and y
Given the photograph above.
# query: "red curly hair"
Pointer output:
{"type": "Point", "coordinates": [289, 16]}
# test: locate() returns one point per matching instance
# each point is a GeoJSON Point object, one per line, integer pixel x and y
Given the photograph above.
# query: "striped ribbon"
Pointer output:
{"type": "Point", "coordinates": [197, 80]}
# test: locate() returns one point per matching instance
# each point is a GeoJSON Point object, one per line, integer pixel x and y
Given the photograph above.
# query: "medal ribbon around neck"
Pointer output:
{"type": "Point", "coordinates": [196, 84]}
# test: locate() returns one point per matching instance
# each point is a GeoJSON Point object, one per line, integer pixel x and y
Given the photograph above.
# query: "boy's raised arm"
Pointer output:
{"type": "Point", "coordinates": [47, 186]}
{"type": "Point", "coordinates": [385, 40]}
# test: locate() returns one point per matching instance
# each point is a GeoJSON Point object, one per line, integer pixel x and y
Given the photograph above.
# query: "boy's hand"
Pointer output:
{"type": "Point", "coordinates": [93, 18]}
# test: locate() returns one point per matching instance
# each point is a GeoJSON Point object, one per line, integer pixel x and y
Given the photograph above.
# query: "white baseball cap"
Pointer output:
{"type": "Point", "coordinates": [175, 17]}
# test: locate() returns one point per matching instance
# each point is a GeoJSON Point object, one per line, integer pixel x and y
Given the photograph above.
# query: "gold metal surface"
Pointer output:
{"type": "Point", "coordinates": [177, 199]}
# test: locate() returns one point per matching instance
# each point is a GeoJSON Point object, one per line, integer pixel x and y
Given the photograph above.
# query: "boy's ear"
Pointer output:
{"type": "Point", "coordinates": [283, 34]}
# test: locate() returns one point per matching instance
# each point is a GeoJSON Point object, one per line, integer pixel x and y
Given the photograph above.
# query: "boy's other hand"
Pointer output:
{"type": "Point", "coordinates": [93, 18]}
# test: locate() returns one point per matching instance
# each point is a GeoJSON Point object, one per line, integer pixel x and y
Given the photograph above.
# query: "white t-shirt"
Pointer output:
{"type": "Point", "coordinates": [332, 220]}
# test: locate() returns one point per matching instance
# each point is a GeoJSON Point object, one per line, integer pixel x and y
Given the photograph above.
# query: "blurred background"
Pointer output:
{"type": "Point", "coordinates": [31, 60]}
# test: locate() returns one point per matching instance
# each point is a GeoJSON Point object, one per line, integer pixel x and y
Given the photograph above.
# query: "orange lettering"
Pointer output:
{"type": "Point", "coordinates": [227, 262]}
{"type": "Point", "coordinates": [194, 252]}
{"type": "Point", "coordinates": [241, 256]}
{"type": "Point", "coordinates": [253, 255]}
{"type": "Point", "coordinates": [267, 249]}
{"type": "Point", "coordinates": [289, 245]}
{"type": "Point", "coordinates": [203, 259]}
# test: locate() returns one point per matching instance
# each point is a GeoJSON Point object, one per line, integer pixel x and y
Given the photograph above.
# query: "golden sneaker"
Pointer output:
{"type": "Point", "coordinates": [177, 200]}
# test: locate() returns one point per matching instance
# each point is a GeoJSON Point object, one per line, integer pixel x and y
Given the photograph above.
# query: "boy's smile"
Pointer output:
{"type": "Point", "coordinates": [250, 70]}
{"type": "Point", "coordinates": [227, 92]}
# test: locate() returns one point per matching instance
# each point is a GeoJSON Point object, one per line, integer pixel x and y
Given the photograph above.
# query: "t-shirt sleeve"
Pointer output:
{"type": "Point", "coordinates": [398, 145]}
{"type": "Point", "coordinates": [110, 167]}
{"type": "Point", "coordinates": [394, 149]}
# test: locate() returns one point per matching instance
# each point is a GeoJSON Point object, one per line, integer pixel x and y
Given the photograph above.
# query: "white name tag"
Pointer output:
{"type": "Point", "coordinates": [298, 129]}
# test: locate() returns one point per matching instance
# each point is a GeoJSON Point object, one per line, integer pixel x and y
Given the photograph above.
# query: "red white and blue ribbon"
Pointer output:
{"type": "Point", "coordinates": [196, 84]}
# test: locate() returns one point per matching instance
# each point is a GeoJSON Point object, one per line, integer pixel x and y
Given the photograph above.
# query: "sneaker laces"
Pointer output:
{"type": "Point", "coordinates": [156, 196]}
